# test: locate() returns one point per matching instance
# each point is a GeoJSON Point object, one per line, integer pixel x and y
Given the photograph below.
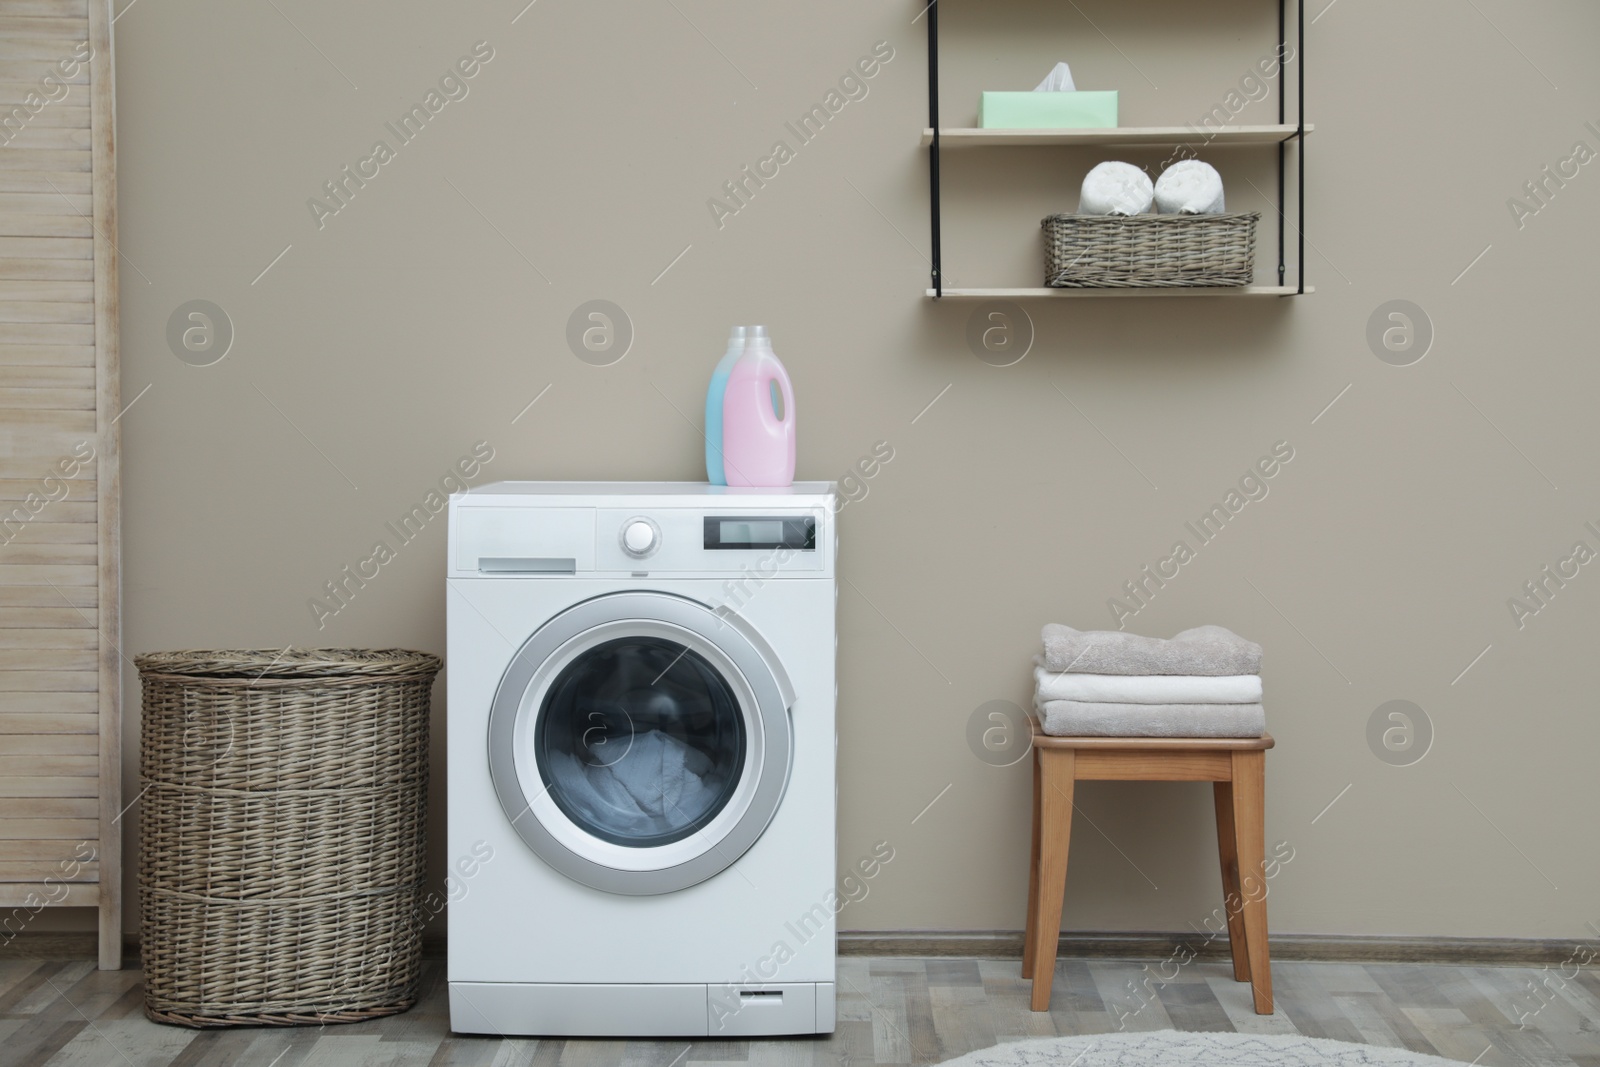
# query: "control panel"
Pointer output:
{"type": "Point", "coordinates": [694, 540]}
{"type": "Point", "coordinates": [555, 541]}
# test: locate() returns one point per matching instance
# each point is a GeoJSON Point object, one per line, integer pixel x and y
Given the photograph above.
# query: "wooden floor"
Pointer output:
{"type": "Point", "coordinates": [891, 1011]}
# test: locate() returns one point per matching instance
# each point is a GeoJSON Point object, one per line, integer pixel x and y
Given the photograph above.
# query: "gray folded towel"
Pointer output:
{"type": "Point", "coordinates": [1076, 718]}
{"type": "Point", "coordinates": [1205, 650]}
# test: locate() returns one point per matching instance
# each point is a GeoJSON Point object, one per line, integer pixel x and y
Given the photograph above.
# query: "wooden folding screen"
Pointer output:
{"type": "Point", "coordinates": [60, 637]}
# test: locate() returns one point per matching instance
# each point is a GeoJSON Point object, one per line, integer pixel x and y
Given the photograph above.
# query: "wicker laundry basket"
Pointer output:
{"type": "Point", "coordinates": [281, 834]}
{"type": "Point", "coordinates": [1149, 251]}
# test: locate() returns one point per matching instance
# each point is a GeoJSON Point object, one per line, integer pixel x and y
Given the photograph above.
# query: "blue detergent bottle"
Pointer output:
{"type": "Point", "coordinates": [714, 395]}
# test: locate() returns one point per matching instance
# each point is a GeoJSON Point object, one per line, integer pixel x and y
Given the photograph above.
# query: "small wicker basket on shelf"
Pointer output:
{"type": "Point", "coordinates": [282, 834]}
{"type": "Point", "coordinates": [1149, 251]}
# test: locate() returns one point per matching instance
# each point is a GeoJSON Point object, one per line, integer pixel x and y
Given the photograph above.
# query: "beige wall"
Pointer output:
{"type": "Point", "coordinates": [416, 322]}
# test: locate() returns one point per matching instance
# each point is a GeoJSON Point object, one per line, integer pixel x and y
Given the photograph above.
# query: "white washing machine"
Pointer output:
{"type": "Point", "coordinates": [641, 759]}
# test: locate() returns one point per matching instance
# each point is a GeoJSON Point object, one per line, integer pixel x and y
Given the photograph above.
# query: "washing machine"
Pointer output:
{"type": "Point", "coordinates": [641, 747]}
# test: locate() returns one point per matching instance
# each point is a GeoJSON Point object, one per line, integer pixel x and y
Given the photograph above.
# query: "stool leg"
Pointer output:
{"type": "Point", "coordinates": [1232, 897]}
{"type": "Point", "coordinates": [1055, 834]}
{"type": "Point", "coordinates": [1249, 831]}
{"type": "Point", "coordinates": [1033, 876]}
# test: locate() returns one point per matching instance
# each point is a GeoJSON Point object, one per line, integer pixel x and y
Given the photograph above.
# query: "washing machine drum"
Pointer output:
{"type": "Point", "coordinates": [639, 742]}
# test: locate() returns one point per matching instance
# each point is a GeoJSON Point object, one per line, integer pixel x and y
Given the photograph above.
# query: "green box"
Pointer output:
{"type": "Point", "coordinates": [1048, 110]}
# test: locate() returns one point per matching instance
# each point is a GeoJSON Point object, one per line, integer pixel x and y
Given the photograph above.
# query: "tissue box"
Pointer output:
{"type": "Point", "coordinates": [1048, 111]}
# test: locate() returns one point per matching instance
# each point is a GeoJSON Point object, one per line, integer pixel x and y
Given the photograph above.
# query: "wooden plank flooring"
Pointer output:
{"type": "Point", "coordinates": [891, 1011]}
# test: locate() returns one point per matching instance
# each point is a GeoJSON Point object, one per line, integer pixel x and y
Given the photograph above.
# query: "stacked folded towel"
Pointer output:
{"type": "Point", "coordinates": [1205, 682]}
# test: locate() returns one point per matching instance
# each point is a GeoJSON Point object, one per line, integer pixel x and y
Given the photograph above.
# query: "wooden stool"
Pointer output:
{"type": "Point", "coordinates": [1236, 766]}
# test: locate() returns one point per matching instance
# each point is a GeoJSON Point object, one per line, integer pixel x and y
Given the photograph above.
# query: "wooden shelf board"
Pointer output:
{"type": "Point", "coordinates": [1061, 294]}
{"type": "Point", "coordinates": [967, 137]}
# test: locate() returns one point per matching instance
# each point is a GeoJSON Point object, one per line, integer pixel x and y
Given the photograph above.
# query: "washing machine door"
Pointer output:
{"type": "Point", "coordinates": [639, 742]}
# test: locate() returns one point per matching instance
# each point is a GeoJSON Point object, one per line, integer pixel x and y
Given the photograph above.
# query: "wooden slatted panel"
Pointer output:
{"type": "Point", "coordinates": [25, 722]}
{"type": "Point", "coordinates": [50, 618]}
{"type": "Point", "coordinates": [50, 555]}
{"type": "Point", "coordinates": [51, 745]}
{"type": "Point", "coordinates": [61, 116]}
{"type": "Point", "coordinates": [53, 399]}
{"type": "Point", "coordinates": [16, 829]}
{"type": "Point", "coordinates": [45, 597]}
{"type": "Point", "coordinates": [59, 870]}
{"type": "Point", "coordinates": [45, 333]}
{"type": "Point", "coordinates": [48, 8]}
{"type": "Point", "coordinates": [50, 435]}
{"type": "Point", "coordinates": [53, 659]}
{"type": "Point", "coordinates": [48, 808]}
{"type": "Point", "coordinates": [54, 202]}
{"type": "Point", "coordinates": [37, 851]}
{"type": "Point", "coordinates": [77, 500]}
{"type": "Point", "coordinates": [53, 533]}
{"type": "Point", "coordinates": [47, 376]}
{"type": "Point", "coordinates": [32, 252]}
{"type": "Point", "coordinates": [59, 664]}
{"type": "Point", "coordinates": [50, 138]}
{"type": "Point", "coordinates": [63, 183]}
{"type": "Point", "coordinates": [34, 49]}
{"type": "Point", "coordinates": [79, 509]}
{"type": "Point", "coordinates": [21, 552]}
{"type": "Point", "coordinates": [62, 310]}
{"type": "Point", "coordinates": [35, 785]}
{"type": "Point", "coordinates": [26, 224]}
{"type": "Point", "coordinates": [66, 25]}
{"type": "Point", "coordinates": [47, 574]}
{"type": "Point", "coordinates": [49, 766]}
{"type": "Point", "coordinates": [49, 703]}
{"type": "Point", "coordinates": [48, 682]}
{"type": "Point", "coordinates": [36, 160]}
{"type": "Point", "coordinates": [61, 637]}
{"type": "Point", "coordinates": [29, 894]}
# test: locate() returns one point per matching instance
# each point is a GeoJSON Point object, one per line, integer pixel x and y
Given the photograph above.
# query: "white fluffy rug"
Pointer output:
{"type": "Point", "coordinates": [1171, 1048]}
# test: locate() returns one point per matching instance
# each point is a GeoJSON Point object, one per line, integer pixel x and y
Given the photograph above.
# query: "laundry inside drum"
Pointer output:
{"type": "Point", "coordinates": [641, 741]}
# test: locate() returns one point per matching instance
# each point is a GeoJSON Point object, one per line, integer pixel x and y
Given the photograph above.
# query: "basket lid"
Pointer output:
{"type": "Point", "coordinates": [289, 662]}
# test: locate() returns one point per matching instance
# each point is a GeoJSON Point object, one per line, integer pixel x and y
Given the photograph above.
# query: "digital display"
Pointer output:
{"type": "Point", "coordinates": [761, 531]}
{"type": "Point", "coordinates": [750, 532]}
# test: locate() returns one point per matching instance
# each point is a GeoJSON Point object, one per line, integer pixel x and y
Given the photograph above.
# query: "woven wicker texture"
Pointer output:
{"type": "Point", "coordinates": [282, 834]}
{"type": "Point", "coordinates": [291, 663]}
{"type": "Point", "coordinates": [1149, 251]}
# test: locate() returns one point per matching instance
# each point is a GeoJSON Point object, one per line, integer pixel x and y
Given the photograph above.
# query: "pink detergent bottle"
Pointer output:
{"type": "Point", "coordinates": [758, 443]}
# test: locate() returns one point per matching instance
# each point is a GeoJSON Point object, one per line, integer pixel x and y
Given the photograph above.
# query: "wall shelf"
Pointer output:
{"type": "Point", "coordinates": [1126, 136]}
{"type": "Point", "coordinates": [1283, 136]}
{"type": "Point", "coordinates": [1091, 294]}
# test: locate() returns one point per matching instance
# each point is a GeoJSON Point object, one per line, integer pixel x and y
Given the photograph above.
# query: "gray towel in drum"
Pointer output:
{"type": "Point", "coordinates": [1205, 650]}
{"type": "Point", "coordinates": [654, 784]}
{"type": "Point", "coordinates": [1076, 718]}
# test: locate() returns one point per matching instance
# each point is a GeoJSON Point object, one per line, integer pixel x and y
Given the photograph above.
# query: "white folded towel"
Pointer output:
{"type": "Point", "coordinates": [1116, 189]}
{"type": "Point", "coordinates": [1059, 80]}
{"type": "Point", "coordinates": [1190, 187]}
{"type": "Point", "coordinates": [1148, 689]}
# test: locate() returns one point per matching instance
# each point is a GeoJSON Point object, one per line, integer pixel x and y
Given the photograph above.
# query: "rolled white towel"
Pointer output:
{"type": "Point", "coordinates": [1189, 187]}
{"type": "Point", "coordinates": [1116, 189]}
{"type": "Point", "coordinates": [1147, 689]}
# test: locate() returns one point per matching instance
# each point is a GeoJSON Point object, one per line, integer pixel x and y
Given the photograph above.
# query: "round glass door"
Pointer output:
{"type": "Point", "coordinates": [639, 742]}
